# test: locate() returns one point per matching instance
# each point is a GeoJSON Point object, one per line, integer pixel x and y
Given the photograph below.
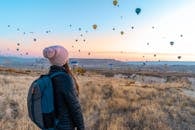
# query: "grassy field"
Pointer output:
{"type": "Point", "coordinates": [108, 103]}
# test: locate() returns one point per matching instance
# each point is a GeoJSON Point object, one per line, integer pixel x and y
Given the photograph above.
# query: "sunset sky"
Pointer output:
{"type": "Point", "coordinates": [159, 23]}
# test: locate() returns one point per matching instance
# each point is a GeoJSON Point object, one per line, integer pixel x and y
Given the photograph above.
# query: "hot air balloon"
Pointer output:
{"type": "Point", "coordinates": [148, 43]}
{"type": "Point", "coordinates": [115, 2]}
{"type": "Point", "coordinates": [132, 27]}
{"type": "Point", "coordinates": [81, 35]}
{"type": "Point", "coordinates": [17, 49]}
{"type": "Point", "coordinates": [137, 11]}
{"type": "Point", "coordinates": [171, 43]}
{"type": "Point", "coordinates": [18, 29]}
{"type": "Point", "coordinates": [34, 39]}
{"type": "Point", "coordinates": [113, 29]}
{"type": "Point", "coordinates": [95, 26]}
{"type": "Point", "coordinates": [154, 55]}
{"type": "Point", "coordinates": [8, 26]}
{"type": "Point", "coordinates": [152, 27]}
{"type": "Point", "coordinates": [79, 29]}
{"type": "Point", "coordinates": [18, 44]}
{"type": "Point", "coordinates": [79, 50]}
{"type": "Point", "coordinates": [179, 57]}
{"type": "Point", "coordinates": [122, 32]}
{"type": "Point", "coordinates": [26, 53]}
{"type": "Point", "coordinates": [84, 40]}
{"type": "Point", "coordinates": [181, 35]}
{"type": "Point", "coordinates": [89, 53]}
{"type": "Point", "coordinates": [48, 31]}
{"type": "Point", "coordinates": [76, 40]}
{"type": "Point", "coordinates": [72, 46]}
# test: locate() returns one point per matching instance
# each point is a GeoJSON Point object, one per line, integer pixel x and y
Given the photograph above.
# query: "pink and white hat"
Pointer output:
{"type": "Point", "coordinates": [57, 55]}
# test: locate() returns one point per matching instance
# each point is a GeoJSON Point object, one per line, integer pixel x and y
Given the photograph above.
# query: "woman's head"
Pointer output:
{"type": "Point", "coordinates": [57, 55]}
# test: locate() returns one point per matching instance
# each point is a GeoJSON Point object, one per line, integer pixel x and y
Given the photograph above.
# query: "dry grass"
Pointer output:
{"type": "Point", "coordinates": [108, 103]}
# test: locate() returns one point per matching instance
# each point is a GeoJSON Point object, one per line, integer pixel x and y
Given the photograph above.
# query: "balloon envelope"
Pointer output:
{"type": "Point", "coordinates": [137, 10]}
{"type": "Point", "coordinates": [95, 26]}
{"type": "Point", "coordinates": [171, 43]}
{"type": "Point", "coordinates": [115, 2]}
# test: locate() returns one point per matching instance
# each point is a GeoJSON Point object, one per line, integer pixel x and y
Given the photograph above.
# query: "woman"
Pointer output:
{"type": "Point", "coordinates": [66, 90]}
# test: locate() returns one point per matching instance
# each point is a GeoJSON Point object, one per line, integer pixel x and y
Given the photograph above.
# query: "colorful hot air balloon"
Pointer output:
{"type": "Point", "coordinates": [94, 26]}
{"type": "Point", "coordinates": [115, 2]}
{"type": "Point", "coordinates": [122, 32]}
{"type": "Point", "coordinates": [137, 11]}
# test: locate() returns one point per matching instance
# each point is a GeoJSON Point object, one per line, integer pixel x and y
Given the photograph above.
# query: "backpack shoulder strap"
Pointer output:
{"type": "Point", "coordinates": [55, 74]}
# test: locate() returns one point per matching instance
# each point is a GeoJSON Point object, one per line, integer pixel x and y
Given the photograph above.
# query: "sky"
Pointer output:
{"type": "Point", "coordinates": [159, 23]}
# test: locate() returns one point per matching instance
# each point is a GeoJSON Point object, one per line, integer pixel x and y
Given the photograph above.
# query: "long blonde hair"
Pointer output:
{"type": "Point", "coordinates": [67, 68]}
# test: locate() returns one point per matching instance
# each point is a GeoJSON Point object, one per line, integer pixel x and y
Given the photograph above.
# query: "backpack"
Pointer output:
{"type": "Point", "coordinates": [40, 101]}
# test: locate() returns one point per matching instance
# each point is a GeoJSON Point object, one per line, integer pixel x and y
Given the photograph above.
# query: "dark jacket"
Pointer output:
{"type": "Point", "coordinates": [67, 106]}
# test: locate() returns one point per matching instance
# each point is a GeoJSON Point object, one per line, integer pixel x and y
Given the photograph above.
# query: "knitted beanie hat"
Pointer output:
{"type": "Point", "coordinates": [57, 55]}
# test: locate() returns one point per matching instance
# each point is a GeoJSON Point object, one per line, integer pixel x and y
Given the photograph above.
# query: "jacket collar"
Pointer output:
{"type": "Point", "coordinates": [55, 68]}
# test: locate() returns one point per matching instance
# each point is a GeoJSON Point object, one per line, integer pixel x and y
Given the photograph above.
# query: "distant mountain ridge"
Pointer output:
{"type": "Point", "coordinates": [20, 62]}
{"type": "Point", "coordinates": [101, 64]}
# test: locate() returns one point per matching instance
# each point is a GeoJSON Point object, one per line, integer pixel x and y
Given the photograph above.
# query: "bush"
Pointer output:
{"type": "Point", "coordinates": [79, 71]}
